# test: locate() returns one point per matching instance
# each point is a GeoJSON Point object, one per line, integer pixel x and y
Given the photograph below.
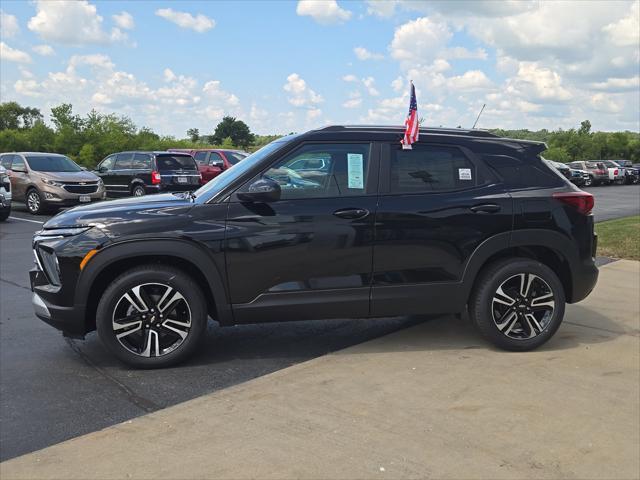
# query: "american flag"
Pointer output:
{"type": "Point", "coordinates": [411, 127]}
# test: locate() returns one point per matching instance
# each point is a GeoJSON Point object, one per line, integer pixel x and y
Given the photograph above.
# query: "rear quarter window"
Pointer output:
{"type": "Point", "coordinates": [517, 173]}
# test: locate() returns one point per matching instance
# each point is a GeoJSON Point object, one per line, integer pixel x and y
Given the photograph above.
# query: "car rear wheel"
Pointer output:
{"type": "Point", "coordinates": [152, 316]}
{"type": "Point", "coordinates": [138, 191]}
{"type": "Point", "coordinates": [517, 304]}
{"type": "Point", "coordinates": [4, 213]}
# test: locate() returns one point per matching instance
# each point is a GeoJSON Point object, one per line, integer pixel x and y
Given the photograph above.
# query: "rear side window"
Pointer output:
{"type": "Point", "coordinates": [430, 168]}
{"type": "Point", "coordinates": [123, 161]}
{"type": "Point", "coordinates": [141, 161]}
{"type": "Point", "coordinates": [201, 157]}
{"type": "Point", "coordinates": [517, 173]}
{"type": "Point", "coordinates": [234, 157]}
{"type": "Point", "coordinates": [176, 162]}
{"type": "Point", "coordinates": [5, 161]}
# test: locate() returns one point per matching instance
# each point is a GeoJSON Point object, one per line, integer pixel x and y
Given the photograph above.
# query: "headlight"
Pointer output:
{"type": "Point", "coordinates": [59, 233]}
{"type": "Point", "coordinates": [100, 183]}
{"type": "Point", "coordinates": [51, 182]}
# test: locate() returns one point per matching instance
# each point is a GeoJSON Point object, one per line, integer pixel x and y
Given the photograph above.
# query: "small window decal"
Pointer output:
{"type": "Point", "coordinates": [355, 172]}
{"type": "Point", "coordinates": [464, 174]}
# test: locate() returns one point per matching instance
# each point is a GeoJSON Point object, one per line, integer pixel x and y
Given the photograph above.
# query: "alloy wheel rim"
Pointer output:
{"type": "Point", "coordinates": [33, 202]}
{"type": "Point", "coordinates": [523, 306]}
{"type": "Point", "coordinates": [151, 319]}
{"type": "Point", "coordinates": [138, 192]}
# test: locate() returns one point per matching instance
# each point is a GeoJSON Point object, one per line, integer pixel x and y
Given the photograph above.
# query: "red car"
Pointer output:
{"type": "Point", "coordinates": [212, 162]}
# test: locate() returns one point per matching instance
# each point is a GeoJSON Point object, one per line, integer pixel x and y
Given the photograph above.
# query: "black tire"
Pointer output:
{"type": "Point", "coordinates": [4, 213]}
{"type": "Point", "coordinates": [486, 308]}
{"type": "Point", "coordinates": [35, 203]}
{"type": "Point", "coordinates": [138, 190]}
{"type": "Point", "coordinates": [132, 350]}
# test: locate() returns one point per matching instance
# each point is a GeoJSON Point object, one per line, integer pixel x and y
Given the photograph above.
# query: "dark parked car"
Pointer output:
{"type": "Point", "coordinates": [465, 221]}
{"type": "Point", "coordinates": [631, 173]}
{"type": "Point", "coordinates": [597, 172]}
{"type": "Point", "coordinates": [140, 173]}
{"type": "Point", "coordinates": [212, 162]}
{"type": "Point", "coordinates": [577, 177]}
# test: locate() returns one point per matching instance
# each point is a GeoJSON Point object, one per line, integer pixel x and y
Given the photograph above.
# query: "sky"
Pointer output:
{"type": "Point", "coordinates": [284, 66]}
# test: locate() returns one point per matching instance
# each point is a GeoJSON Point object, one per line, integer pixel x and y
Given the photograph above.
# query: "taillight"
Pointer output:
{"type": "Point", "coordinates": [581, 201]}
{"type": "Point", "coordinates": [155, 177]}
{"type": "Point", "coordinates": [615, 172]}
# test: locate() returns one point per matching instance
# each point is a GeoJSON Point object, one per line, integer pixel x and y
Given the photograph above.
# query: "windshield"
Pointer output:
{"type": "Point", "coordinates": [229, 175]}
{"type": "Point", "coordinates": [52, 163]}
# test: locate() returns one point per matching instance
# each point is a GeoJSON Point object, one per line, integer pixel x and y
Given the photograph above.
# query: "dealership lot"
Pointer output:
{"type": "Point", "coordinates": [54, 389]}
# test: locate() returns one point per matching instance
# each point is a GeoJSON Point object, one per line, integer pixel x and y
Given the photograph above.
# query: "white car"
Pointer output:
{"type": "Point", "coordinates": [5, 194]}
{"type": "Point", "coordinates": [616, 172]}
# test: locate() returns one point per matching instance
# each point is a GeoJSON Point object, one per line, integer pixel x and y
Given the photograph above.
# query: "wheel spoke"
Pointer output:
{"type": "Point", "coordinates": [534, 326]}
{"type": "Point", "coordinates": [122, 326]}
{"type": "Point", "coordinates": [507, 321]}
{"type": "Point", "coordinates": [151, 339]}
{"type": "Point", "coordinates": [525, 283]}
{"type": "Point", "coordinates": [503, 298]}
{"type": "Point", "coordinates": [183, 333]}
{"type": "Point", "coordinates": [164, 304]}
{"type": "Point", "coordinates": [545, 300]}
{"type": "Point", "coordinates": [139, 303]}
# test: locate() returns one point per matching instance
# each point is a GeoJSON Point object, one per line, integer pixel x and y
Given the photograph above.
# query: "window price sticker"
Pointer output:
{"type": "Point", "coordinates": [464, 173]}
{"type": "Point", "coordinates": [355, 172]}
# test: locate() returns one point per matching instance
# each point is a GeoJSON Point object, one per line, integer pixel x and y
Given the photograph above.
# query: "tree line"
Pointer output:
{"type": "Point", "coordinates": [88, 139]}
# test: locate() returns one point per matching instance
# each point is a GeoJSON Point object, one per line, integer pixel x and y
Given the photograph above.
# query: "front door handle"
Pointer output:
{"type": "Point", "coordinates": [486, 208]}
{"type": "Point", "coordinates": [351, 213]}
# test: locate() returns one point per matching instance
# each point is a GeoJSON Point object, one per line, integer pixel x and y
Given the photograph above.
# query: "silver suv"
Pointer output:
{"type": "Point", "coordinates": [46, 181]}
{"type": "Point", "coordinates": [5, 194]}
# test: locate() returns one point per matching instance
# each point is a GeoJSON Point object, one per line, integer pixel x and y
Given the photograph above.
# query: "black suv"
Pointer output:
{"type": "Point", "coordinates": [139, 173]}
{"type": "Point", "coordinates": [463, 222]}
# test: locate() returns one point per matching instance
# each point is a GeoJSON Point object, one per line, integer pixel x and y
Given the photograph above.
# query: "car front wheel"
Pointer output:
{"type": "Point", "coordinates": [152, 316]}
{"type": "Point", "coordinates": [34, 202]}
{"type": "Point", "coordinates": [518, 304]}
{"type": "Point", "coordinates": [138, 191]}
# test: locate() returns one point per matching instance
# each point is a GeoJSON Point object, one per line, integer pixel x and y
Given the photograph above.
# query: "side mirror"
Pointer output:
{"type": "Point", "coordinates": [103, 169]}
{"type": "Point", "coordinates": [263, 190]}
{"type": "Point", "coordinates": [19, 169]}
{"type": "Point", "coordinates": [217, 163]}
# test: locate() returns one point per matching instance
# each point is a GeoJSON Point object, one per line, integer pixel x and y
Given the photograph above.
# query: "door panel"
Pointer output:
{"type": "Point", "coordinates": [19, 180]}
{"type": "Point", "coordinates": [423, 240]}
{"type": "Point", "coordinates": [295, 258]}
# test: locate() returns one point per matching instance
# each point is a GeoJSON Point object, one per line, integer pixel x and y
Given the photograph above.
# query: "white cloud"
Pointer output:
{"type": "Point", "coordinates": [364, 54]}
{"type": "Point", "coordinates": [72, 22]}
{"type": "Point", "coordinates": [325, 12]}
{"type": "Point", "coordinates": [418, 41]}
{"type": "Point", "coordinates": [604, 103]}
{"type": "Point", "coordinates": [300, 95]}
{"type": "Point", "coordinates": [464, 53]}
{"type": "Point", "coordinates": [44, 50]}
{"type": "Point", "coordinates": [470, 81]}
{"type": "Point", "coordinates": [8, 25]}
{"type": "Point", "coordinates": [350, 78]}
{"type": "Point", "coordinates": [13, 55]}
{"type": "Point", "coordinates": [626, 31]}
{"type": "Point", "coordinates": [124, 20]}
{"type": "Point", "coordinates": [534, 81]}
{"type": "Point", "coordinates": [381, 8]}
{"type": "Point", "coordinates": [168, 75]}
{"type": "Point", "coordinates": [368, 83]}
{"type": "Point", "coordinates": [618, 84]}
{"type": "Point", "coordinates": [213, 90]}
{"type": "Point", "coordinates": [198, 23]}
{"type": "Point", "coordinates": [353, 102]}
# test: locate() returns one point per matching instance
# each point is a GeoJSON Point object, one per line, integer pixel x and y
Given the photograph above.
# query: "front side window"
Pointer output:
{"type": "Point", "coordinates": [234, 157]}
{"type": "Point", "coordinates": [343, 171]}
{"type": "Point", "coordinates": [49, 163]}
{"type": "Point", "coordinates": [428, 168]}
{"type": "Point", "coordinates": [123, 161]}
{"type": "Point", "coordinates": [5, 161]}
{"type": "Point", "coordinates": [215, 159]}
{"type": "Point", "coordinates": [107, 163]}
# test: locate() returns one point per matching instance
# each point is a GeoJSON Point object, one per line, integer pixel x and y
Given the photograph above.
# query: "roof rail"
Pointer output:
{"type": "Point", "coordinates": [441, 130]}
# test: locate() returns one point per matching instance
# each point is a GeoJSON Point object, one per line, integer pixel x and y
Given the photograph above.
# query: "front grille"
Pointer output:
{"type": "Point", "coordinates": [77, 188]}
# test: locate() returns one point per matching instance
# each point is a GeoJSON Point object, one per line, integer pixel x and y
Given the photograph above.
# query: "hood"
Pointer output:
{"type": "Point", "coordinates": [83, 176]}
{"type": "Point", "coordinates": [124, 214]}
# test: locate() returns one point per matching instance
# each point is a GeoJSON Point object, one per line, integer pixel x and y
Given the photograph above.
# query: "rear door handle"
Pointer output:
{"type": "Point", "coordinates": [351, 213]}
{"type": "Point", "coordinates": [485, 208]}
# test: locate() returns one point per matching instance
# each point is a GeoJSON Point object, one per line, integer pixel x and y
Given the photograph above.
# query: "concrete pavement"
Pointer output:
{"type": "Point", "coordinates": [425, 402]}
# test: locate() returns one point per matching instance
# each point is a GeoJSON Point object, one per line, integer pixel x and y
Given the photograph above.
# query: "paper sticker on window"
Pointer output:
{"type": "Point", "coordinates": [355, 170]}
{"type": "Point", "coordinates": [464, 173]}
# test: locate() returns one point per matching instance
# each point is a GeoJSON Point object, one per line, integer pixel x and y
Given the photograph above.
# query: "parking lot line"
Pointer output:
{"type": "Point", "coordinates": [25, 220]}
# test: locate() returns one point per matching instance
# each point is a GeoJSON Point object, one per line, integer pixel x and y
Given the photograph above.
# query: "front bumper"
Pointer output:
{"type": "Point", "coordinates": [5, 200]}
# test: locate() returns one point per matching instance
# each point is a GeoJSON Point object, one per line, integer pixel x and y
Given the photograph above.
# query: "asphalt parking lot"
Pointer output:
{"type": "Point", "coordinates": [53, 389]}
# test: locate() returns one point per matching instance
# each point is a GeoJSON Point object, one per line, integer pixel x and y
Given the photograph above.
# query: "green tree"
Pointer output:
{"type": "Point", "coordinates": [227, 143]}
{"type": "Point", "coordinates": [87, 155]}
{"type": "Point", "coordinates": [194, 134]}
{"type": "Point", "coordinates": [236, 129]}
{"type": "Point", "coordinates": [13, 116]}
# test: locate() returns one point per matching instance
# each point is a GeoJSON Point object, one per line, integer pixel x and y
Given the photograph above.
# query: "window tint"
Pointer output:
{"type": "Point", "coordinates": [108, 162]}
{"type": "Point", "coordinates": [5, 161]}
{"type": "Point", "coordinates": [201, 157]}
{"type": "Point", "coordinates": [17, 162]}
{"type": "Point", "coordinates": [141, 161]}
{"type": "Point", "coordinates": [176, 162]}
{"type": "Point", "coordinates": [215, 158]}
{"type": "Point", "coordinates": [234, 157]}
{"type": "Point", "coordinates": [516, 173]}
{"type": "Point", "coordinates": [344, 171]}
{"type": "Point", "coordinates": [430, 168]}
{"type": "Point", "coordinates": [123, 161]}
